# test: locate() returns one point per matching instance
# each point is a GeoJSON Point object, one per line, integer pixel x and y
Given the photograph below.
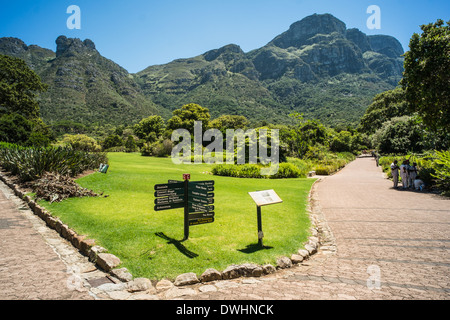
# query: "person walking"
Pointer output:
{"type": "Point", "coordinates": [394, 170]}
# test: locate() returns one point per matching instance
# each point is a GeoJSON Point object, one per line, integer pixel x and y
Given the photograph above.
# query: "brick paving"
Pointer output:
{"type": "Point", "coordinates": [30, 269]}
{"type": "Point", "coordinates": [391, 245]}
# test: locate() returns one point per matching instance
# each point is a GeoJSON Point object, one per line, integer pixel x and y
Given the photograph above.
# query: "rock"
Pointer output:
{"type": "Point", "coordinates": [296, 258]}
{"type": "Point", "coordinates": [107, 261]}
{"type": "Point", "coordinates": [311, 249]}
{"type": "Point", "coordinates": [164, 285]}
{"type": "Point", "coordinates": [110, 287]}
{"type": "Point", "coordinates": [143, 297]}
{"type": "Point", "coordinates": [141, 284]}
{"type": "Point", "coordinates": [252, 270]}
{"type": "Point", "coordinates": [210, 275]}
{"type": "Point", "coordinates": [119, 295]}
{"type": "Point", "coordinates": [186, 279]}
{"type": "Point", "coordinates": [122, 274]}
{"type": "Point", "coordinates": [76, 241]}
{"type": "Point", "coordinates": [86, 245]}
{"type": "Point", "coordinates": [268, 269]}
{"type": "Point", "coordinates": [284, 263]}
{"type": "Point", "coordinates": [94, 252]}
{"type": "Point", "coordinates": [207, 288]}
{"type": "Point", "coordinates": [304, 253]}
{"type": "Point", "coordinates": [176, 292]}
{"type": "Point", "coordinates": [232, 272]}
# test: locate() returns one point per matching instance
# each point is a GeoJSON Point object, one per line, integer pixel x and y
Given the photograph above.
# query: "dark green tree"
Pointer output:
{"type": "Point", "coordinates": [185, 117]}
{"type": "Point", "coordinates": [150, 128]}
{"type": "Point", "coordinates": [426, 79]}
{"type": "Point", "coordinates": [384, 107]}
{"type": "Point", "coordinates": [18, 87]}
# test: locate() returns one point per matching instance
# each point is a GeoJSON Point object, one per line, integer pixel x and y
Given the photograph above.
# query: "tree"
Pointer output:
{"type": "Point", "coordinates": [185, 117]}
{"type": "Point", "coordinates": [426, 79]}
{"type": "Point", "coordinates": [112, 141]}
{"type": "Point", "coordinates": [82, 142]}
{"type": "Point", "coordinates": [225, 122]}
{"type": "Point", "coordinates": [400, 135]}
{"type": "Point", "coordinates": [18, 87]}
{"type": "Point", "coordinates": [150, 128]}
{"type": "Point", "coordinates": [307, 134]}
{"type": "Point", "coordinates": [384, 107]}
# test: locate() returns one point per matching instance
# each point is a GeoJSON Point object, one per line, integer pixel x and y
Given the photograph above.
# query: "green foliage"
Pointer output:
{"type": "Point", "coordinates": [306, 134]}
{"type": "Point", "coordinates": [286, 170]}
{"type": "Point", "coordinates": [384, 107]}
{"type": "Point", "coordinates": [81, 142]}
{"type": "Point", "coordinates": [225, 122]}
{"type": "Point", "coordinates": [31, 163]}
{"type": "Point", "coordinates": [18, 87]}
{"type": "Point", "coordinates": [441, 165]}
{"type": "Point", "coordinates": [150, 128]}
{"type": "Point", "coordinates": [112, 141]}
{"type": "Point", "coordinates": [426, 79]}
{"type": "Point", "coordinates": [185, 117]}
{"type": "Point", "coordinates": [400, 135]}
{"type": "Point", "coordinates": [130, 144]}
{"type": "Point", "coordinates": [15, 128]}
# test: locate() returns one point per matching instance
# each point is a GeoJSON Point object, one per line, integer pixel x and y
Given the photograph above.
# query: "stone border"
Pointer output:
{"type": "Point", "coordinates": [321, 237]}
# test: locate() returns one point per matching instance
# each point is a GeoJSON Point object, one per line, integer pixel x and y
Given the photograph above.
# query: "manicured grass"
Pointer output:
{"type": "Point", "coordinates": [147, 242]}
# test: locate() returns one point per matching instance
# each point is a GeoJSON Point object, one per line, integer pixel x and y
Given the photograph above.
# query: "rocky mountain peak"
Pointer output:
{"type": "Point", "coordinates": [299, 32]}
{"type": "Point", "coordinates": [72, 46]}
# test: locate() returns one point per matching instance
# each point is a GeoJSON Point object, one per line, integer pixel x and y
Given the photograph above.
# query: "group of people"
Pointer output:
{"type": "Point", "coordinates": [409, 175]}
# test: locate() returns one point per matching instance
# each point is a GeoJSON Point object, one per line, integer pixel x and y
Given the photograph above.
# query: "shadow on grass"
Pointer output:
{"type": "Point", "coordinates": [178, 245]}
{"type": "Point", "coordinates": [251, 248]}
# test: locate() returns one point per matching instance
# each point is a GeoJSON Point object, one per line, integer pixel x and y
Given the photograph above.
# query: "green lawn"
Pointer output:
{"type": "Point", "coordinates": [147, 242]}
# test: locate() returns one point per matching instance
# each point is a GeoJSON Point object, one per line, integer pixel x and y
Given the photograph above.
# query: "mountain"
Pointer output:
{"type": "Point", "coordinates": [84, 86]}
{"type": "Point", "coordinates": [318, 67]}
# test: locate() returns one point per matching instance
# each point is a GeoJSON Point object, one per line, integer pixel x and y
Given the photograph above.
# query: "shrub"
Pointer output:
{"type": "Point", "coordinates": [31, 163]}
{"type": "Point", "coordinates": [285, 170]}
{"type": "Point", "coordinates": [81, 142]}
{"type": "Point", "coordinates": [442, 168]}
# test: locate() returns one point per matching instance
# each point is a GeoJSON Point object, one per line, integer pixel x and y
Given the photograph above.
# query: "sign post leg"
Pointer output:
{"type": "Point", "coordinates": [186, 210]}
{"type": "Point", "coordinates": [260, 232]}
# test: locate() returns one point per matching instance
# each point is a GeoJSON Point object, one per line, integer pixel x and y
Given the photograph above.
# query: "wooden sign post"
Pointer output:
{"type": "Point", "coordinates": [197, 199]}
{"type": "Point", "coordinates": [263, 198]}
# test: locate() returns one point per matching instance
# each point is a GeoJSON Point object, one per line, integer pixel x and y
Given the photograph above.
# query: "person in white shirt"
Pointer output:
{"type": "Point", "coordinates": [404, 174]}
{"type": "Point", "coordinates": [394, 170]}
{"type": "Point", "coordinates": [419, 184]}
{"type": "Point", "coordinates": [412, 174]}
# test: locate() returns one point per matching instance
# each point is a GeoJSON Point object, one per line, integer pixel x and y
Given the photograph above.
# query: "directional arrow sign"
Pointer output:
{"type": "Point", "coordinates": [161, 207]}
{"type": "Point", "coordinates": [202, 183]}
{"type": "Point", "coordinates": [203, 215]}
{"type": "Point", "coordinates": [202, 194]}
{"type": "Point", "coordinates": [199, 208]}
{"type": "Point", "coordinates": [169, 186]}
{"type": "Point", "coordinates": [169, 200]}
{"type": "Point", "coordinates": [200, 200]}
{"type": "Point", "coordinates": [201, 188]}
{"type": "Point", "coordinates": [170, 193]}
{"type": "Point", "coordinates": [196, 222]}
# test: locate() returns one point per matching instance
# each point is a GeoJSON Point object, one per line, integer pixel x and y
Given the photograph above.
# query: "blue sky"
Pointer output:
{"type": "Point", "coordinates": [137, 33]}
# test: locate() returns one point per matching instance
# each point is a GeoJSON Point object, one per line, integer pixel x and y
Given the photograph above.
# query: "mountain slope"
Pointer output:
{"type": "Point", "coordinates": [84, 86]}
{"type": "Point", "coordinates": [317, 67]}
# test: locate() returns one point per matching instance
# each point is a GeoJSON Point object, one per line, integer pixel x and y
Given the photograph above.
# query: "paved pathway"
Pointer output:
{"type": "Point", "coordinates": [390, 245]}
{"type": "Point", "coordinates": [35, 263]}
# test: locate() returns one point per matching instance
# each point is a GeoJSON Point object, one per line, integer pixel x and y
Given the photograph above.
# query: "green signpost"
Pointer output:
{"type": "Point", "coordinates": [195, 197]}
